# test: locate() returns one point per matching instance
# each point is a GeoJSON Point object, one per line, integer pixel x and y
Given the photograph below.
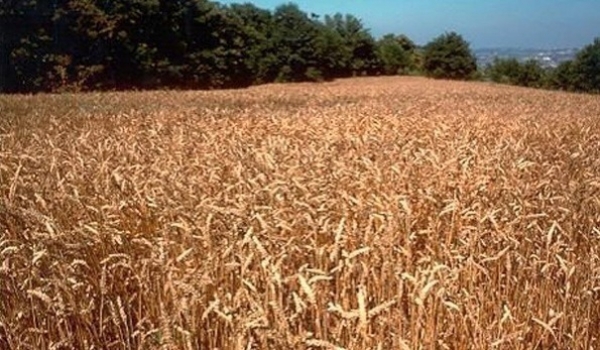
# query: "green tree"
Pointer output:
{"type": "Point", "coordinates": [195, 44]}
{"type": "Point", "coordinates": [112, 42]}
{"type": "Point", "coordinates": [563, 77]}
{"type": "Point", "coordinates": [511, 71]}
{"type": "Point", "coordinates": [532, 74]}
{"type": "Point", "coordinates": [30, 46]}
{"type": "Point", "coordinates": [407, 44]}
{"type": "Point", "coordinates": [219, 47]}
{"type": "Point", "coordinates": [358, 52]}
{"type": "Point", "coordinates": [294, 44]}
{"type": "Point", "coordinates": [258, 54]}
{"type": "Point", "coordinates": [586, 68]}
{"type": "Point", "coordinates": [123, 44]}
{"type": "Point", "coordinates": [331, 53]}
{"type": "Point", "coordinates": [396, 54]}
{"type": "Point", "coordinates": [449, 57]}
{"type": "Point", "coordinates": [503, 70]}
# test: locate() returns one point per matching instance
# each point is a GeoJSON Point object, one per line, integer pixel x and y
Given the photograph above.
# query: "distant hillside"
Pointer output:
{"type": "Point", "coordinates": [548, 57]}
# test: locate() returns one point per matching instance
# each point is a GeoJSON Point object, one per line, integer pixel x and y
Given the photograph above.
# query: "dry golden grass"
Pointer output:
{"type": "Point", "coordinates": [389, 213]}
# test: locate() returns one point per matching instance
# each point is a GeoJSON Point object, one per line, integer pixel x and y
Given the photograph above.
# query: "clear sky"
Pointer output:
{"type": "Point", "coordinates": [484, 23]}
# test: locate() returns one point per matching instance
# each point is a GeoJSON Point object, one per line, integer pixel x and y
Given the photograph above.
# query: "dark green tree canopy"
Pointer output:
{"type": "Point", "coordinates": [511, 71]}
{"type": "Point", "coordinates": [358, 47]}
{"type": "Point", "coordinates": [74, 45]}
{"type": "Point", "coordinates": [407, 44]}
{"type": "Point", "coordinates": [449, 57]}
{"type": "Point", "coordinates": [396, 54]}
{"type": "Point", "coordinates": [52, 45]}
{"type": "Point", "coordinates": [586, 68]}
{"type": "Point", "coordinates": [562, 77]}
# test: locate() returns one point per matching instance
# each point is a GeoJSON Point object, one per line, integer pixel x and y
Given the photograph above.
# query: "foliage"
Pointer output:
{"type": "Point", "coordinates": [357, 54]}
{"type": "Point", "coordinates": [72, 45]}
{"type": "Point", "coordinates": [449, 57]}
{"type": "Point", "coordinates": [511, 71]}
{"type": "Point", "coordinates": [294, 40]}
{"type": "Point", "coordinates": [48, 45]}
{"type": "Point", "coordinates": [503, 70]}
{"type": "Point", "coordinates": [580, 74]}
{"type": "Point", "coordinates": [396, 54]}
{"type": "Point", "coordinates": [563, 77]}
{"type": "Point", "coordinates": [586, 68]}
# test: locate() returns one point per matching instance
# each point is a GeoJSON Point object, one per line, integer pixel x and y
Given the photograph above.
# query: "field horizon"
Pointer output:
{"type": "Point", "coordinates": [363, 213]}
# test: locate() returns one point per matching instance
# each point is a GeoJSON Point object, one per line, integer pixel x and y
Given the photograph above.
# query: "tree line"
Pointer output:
{"type": "Point", "coordinates": [581, 74]}
{"type": "Point", "coordinates": [79, 45]}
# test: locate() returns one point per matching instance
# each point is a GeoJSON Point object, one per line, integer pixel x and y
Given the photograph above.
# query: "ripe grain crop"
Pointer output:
{"type": "Point", "coordinates": [376, 213]}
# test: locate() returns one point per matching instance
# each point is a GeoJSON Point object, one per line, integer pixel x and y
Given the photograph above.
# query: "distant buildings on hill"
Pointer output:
{"type": "Point", "coordinates": [548, 58]}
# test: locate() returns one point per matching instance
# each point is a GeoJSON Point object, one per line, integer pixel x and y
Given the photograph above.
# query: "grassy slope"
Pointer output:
{"type": "Point", "coordinates": [366, 213]}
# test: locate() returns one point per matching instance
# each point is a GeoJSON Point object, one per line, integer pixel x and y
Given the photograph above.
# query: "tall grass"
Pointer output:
{"type": "Point", "coordinates": [388, 213]}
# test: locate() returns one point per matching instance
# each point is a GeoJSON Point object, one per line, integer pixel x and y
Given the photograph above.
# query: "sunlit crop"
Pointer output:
{"type": "Point", "coordinates": [372, 213]}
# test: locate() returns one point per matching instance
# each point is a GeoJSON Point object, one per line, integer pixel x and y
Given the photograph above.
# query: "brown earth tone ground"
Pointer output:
{"type": "Point", "coordinates": [376, 213]}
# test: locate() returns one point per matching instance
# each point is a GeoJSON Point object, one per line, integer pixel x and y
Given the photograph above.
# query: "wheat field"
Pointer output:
{"type": "Point", "coordinates": [367, 213]}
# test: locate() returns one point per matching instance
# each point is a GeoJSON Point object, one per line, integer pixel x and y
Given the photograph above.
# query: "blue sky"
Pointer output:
{"type": "Point", "coordinates": [484, 23]}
